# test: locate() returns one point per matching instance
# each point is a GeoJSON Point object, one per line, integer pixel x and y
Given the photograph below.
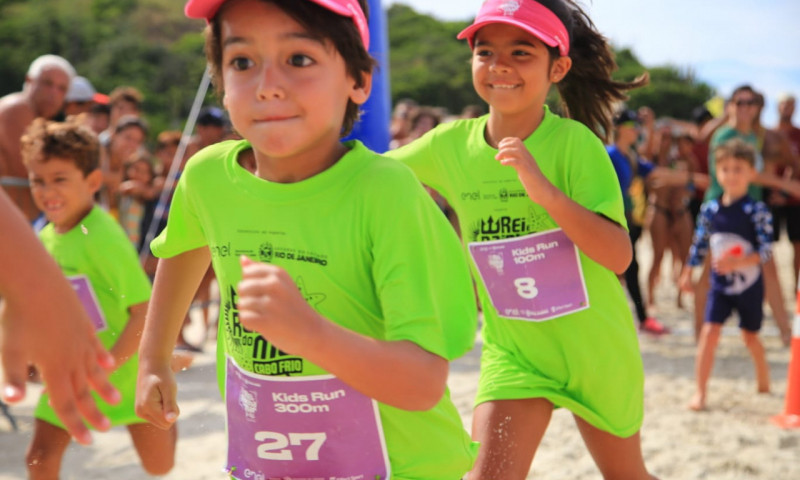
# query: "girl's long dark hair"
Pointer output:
{"type": "Point", "coordinates": [588, 93]}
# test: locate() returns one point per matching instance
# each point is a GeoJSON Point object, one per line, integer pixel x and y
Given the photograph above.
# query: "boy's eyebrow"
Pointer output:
{"type": "Point", "coordinates": [292, 35]}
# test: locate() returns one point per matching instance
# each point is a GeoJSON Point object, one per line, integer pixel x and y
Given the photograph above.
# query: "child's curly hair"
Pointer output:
{"type": "Point", "coordinates": [45, 140]}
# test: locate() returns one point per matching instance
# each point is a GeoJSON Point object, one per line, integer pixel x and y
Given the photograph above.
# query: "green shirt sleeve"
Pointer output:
{"type": "Point", "coordinates": [420, 272]}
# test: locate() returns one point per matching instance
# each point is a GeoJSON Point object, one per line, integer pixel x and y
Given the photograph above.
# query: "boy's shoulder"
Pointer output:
{"type": "Point", "coordinates": [710, 206]}
{"type": "Point", "coordinates": [376, 169]}
{"type": "Point", "coordinates": [460, 129]}
{"type": "Point", "coordinates": [100, 228]}
{"type": "Point", "coordinates": [210, 156]}
{"type": "Point", "coordinates": [753, 206]}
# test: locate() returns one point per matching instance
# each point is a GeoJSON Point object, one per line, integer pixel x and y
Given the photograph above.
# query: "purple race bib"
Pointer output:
{"type": "Point", "coordinates": [536, 277]}
{"type": "Point", "coordinates": [82, 287]}
{"type": "Point", "coordinates": [301, 428]}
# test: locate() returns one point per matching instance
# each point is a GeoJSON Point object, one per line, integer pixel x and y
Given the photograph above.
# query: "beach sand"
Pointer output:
{"type": "Point", "coordinates": [732, 440]}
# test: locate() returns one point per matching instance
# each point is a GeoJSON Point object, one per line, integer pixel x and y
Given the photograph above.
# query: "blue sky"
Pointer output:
{"type": "Point", "coordinates": [725, 43]}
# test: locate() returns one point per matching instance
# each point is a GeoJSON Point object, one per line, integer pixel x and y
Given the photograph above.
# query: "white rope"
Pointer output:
{"type": "Point", "coordinates": [177, 160]}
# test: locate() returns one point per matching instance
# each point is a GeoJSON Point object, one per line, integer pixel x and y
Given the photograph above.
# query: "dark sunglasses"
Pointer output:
{"type": "Point", "coordinates": [746, 103]}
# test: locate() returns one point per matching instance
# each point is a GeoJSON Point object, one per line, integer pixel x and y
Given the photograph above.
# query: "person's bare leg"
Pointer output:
{"type": "Point", "coordinates": [683, 239]}
{"type": "Point", "coordinates": [775, 299]}
{"type": "Point", "coordinates": [617, 458]}
{"type": "Point", "coordinates": [701, 288]}
{"type": "Point", "coordinates": [796, 252]}
{"type": "Point", "coordinates": [509, 432]}
{"type": "Point", "coordinates": [704, 363]}
{"type": "Point", "coordinates": [756, 348]}
{"type": "Point", "coordinates": [659, 237]}
{"type": "Point", "coordinates": [44, 455]}
{"type": "Point", "coordinates": [156, 447]}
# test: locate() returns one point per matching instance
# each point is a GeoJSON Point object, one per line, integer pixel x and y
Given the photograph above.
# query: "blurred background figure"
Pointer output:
{"type": "Point", "coordinates": [80, 97]}
{"type": "Point", "coordinates": [42, 96]}
{"type": "Point", "coordinates": [400, 125]}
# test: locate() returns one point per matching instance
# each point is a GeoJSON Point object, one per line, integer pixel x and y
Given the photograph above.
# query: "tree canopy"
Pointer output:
{"type": "Point", "coordinates": [150, 45]}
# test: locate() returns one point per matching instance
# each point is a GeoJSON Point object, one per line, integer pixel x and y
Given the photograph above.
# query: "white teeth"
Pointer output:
{"type": "Point", "coordinates": [504, 87]}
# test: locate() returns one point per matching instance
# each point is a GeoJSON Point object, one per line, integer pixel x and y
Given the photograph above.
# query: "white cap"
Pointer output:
{"type": "Point", "coordinates": [80, 90]}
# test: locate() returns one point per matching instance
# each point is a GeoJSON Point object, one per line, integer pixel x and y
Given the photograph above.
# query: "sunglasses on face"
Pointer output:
{"type": "Point", "coordinates": [746, 103]}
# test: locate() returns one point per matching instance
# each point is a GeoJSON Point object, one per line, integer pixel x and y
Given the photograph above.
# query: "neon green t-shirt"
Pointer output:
{"type": "Point", "coordinates": [587, 361]}
{"type": "Point", "coordinates": [367, 248]}
{"type": "Point", "coordinates": [98, 249]}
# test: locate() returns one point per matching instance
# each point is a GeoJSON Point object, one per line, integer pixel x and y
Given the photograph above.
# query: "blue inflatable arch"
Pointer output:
{"type": "Point", "coordinates": [373, 127]}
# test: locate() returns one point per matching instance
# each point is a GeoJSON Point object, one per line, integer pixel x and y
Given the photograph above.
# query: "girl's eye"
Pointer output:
{"type": "Point", "coordinates": [482, 52]}
{"type": "Point", "coordinates": [520, 53]}
{"type": "Point", "coordinates": [241, 63]}
{"type": "Point", "coordinates": [299, 60]}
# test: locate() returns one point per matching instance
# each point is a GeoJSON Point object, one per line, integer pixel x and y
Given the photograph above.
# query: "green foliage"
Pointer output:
{"type": "Point", "coordinates": [149, 44]}
{"type": "Point", "coordinates": [427, 62]}
{"type": "Point", "coordinates": [672, 92]}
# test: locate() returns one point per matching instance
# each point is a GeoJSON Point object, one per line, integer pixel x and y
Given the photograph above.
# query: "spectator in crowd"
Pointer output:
{"type": "Point", "coordinates": [99, 117]}
{"type": "Point", "coordinates": [743, 110]}
{"type": "Point", "coordinates": [630, 167]}
{"type": "Point", "coordinates": [400, 124]}
{"type": "Point", "coordinates": [129, 135]}
{"type": "Point", "coordinates": [735, 232]}
{"type": "Point", "coordinates": [80, 96]}
{"type": "Point", "coordinates": [42, 96]}
{"type": "Point", "coordinates": [122, 101]}
{"type": "Point", "coordinates": [137, 194]}
{"type": "Point", "coordinates": [781, 151]}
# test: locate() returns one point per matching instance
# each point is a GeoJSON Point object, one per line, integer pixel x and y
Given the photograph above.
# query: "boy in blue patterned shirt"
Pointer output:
{"type": "Point", "coordinates": [737, 231]}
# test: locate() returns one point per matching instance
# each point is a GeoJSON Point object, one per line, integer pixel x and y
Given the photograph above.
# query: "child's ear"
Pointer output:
{"type": "Point", "coordinates": [359, 95]}
{"type": "Point", "coordinates": [95, 180]}
{"type": "Point", "coordinates": [560, 69]}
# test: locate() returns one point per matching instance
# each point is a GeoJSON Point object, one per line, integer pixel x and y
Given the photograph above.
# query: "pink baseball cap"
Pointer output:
{"type": "Point", "coordinates": [207, 9]}
{"type": "Point", "coordinates": [529, 15]}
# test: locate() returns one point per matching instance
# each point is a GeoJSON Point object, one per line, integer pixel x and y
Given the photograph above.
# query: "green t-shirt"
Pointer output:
{"type": "Point", "coordinates": [571, 352]}
{"type": "Point", "coordinates": [98, 249]}
{"type": "Point", "coordinates": [367, 248]}
{"type": "Point", "coordinates": [722, 135]}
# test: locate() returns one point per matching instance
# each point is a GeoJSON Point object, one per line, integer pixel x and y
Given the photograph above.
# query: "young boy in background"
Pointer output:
{"type": "Point", "coordinates": [737, 231]}
{"type": "Point", "coordinates": [94, 253]}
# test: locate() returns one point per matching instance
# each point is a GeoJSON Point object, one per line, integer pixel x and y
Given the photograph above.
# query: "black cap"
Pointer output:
{"type": "Point", "coordinates": [212, 116]}
{"type": "Point", "coordinates": [625, 116]}
{"type": "Point", "coordinates": [701, 114]}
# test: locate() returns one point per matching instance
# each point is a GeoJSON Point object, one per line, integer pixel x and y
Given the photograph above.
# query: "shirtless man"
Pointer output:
{"type": "Point", "coordinates": [781, 152]}
{"type": "Point", "coordinates": [42, 95]}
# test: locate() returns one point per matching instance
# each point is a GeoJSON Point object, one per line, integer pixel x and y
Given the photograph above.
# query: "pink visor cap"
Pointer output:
{"type": "Point", "coordinates": [529, 15]}
{"type": "Point", "coordinates": [207, 9]}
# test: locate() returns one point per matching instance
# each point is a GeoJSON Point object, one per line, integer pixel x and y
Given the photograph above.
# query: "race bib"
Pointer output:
{"type": "Point", "coordinates": [536, 277]}
{"type": "Point", "coordinates": [85, 292]}
{"type": "Point", "coordinates": [301, 428]}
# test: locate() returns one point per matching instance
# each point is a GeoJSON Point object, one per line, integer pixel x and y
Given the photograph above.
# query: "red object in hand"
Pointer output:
{"type": "Point", "coordinates": [735, 251]}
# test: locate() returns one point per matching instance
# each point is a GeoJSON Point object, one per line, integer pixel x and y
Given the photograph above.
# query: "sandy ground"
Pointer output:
{"type": "Point", "coordinates": [732, 440]}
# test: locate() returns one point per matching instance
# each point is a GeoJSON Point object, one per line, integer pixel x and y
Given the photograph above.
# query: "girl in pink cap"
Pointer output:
{"type": "Point", "coordinates": [343, 291]}
{"type": "Point", "coordinates": [542, 220]}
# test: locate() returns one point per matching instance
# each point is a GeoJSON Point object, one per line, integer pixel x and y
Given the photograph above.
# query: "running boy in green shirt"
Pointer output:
{"type": "Point", "coordinates": [343, 290]}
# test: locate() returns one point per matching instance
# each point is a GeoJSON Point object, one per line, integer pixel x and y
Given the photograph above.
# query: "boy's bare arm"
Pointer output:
{"type": "Point", "coordinates": [128, 342]}
{"type": "Point", "coordinates": [397, 373]}
{"type": "Point", "coordinates": [176, 281]}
